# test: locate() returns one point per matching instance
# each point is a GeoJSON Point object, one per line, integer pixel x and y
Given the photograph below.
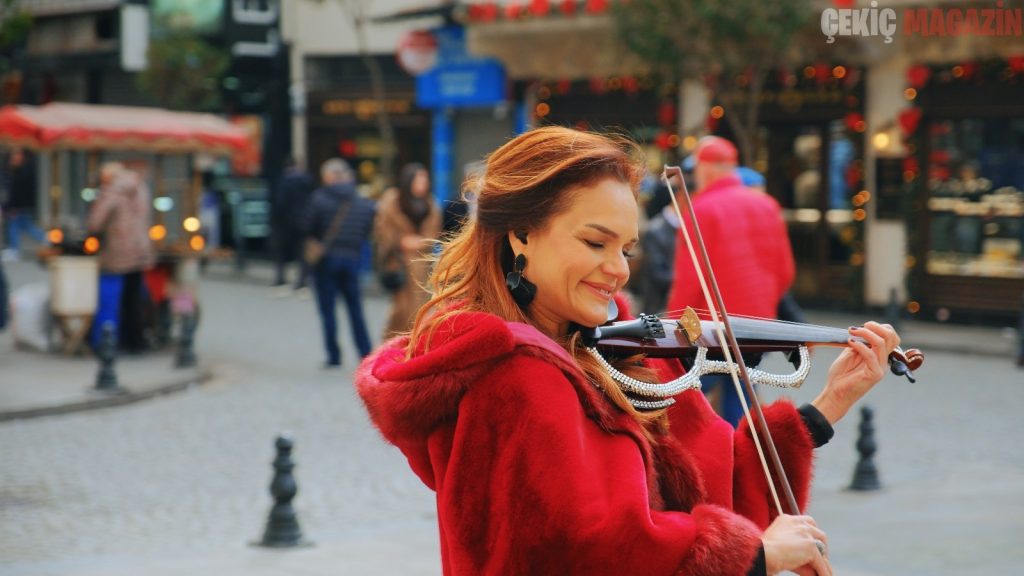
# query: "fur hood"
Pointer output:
{"type": "Point", "coordinates": [407, 399]}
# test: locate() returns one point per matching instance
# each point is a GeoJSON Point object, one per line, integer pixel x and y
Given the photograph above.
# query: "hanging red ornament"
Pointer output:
{"type": "Point", "coordinates": [970, 69]}
{"type": "Point", "coordinates": [540, 7]}
{"type": "Point", "coordinates": [662, 140]}
{"type": "Point", "coordinates": [910, 166]}
{"type": "Point", "coordinates": [513, 11]}
{"type": "Point", "coordinates": [666, 114]}
{"type": "Point", "coordinates": [563, 86]}
{"type": "Point", "coordinates": [854, 121]}
{"type": "Point", "coordinates": [1016, 63]}
{"type": "Point", "coordinates": [822, 73]}
{"type": "Point", "coordinates": [918, 75]}
{"type": "Point", "coordinates": [596, 6]}
{"type": "Point", "coordinates": [630, 85]}
{"type": "Point", "coordinates": [909, 120]}
{"type": "Point", "coordinates": [488, 12]}
{"type": "Point", "coordinates": [568, 7]}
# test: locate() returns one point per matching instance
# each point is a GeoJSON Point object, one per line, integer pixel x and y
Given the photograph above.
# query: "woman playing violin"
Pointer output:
{"type": "Point", "coordinates": [541, 463]}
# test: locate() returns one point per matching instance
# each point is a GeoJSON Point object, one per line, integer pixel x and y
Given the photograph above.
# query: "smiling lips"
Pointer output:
{"type": "Point", "coordinates": [603, 290]}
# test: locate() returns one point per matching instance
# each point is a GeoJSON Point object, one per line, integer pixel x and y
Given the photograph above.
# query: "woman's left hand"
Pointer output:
{"type": "Point", "coordinates": [857, 370]}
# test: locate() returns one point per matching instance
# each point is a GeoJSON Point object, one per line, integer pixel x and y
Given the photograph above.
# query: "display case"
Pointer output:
{"type": "Point", "coordinates": [976, 198]}
{"type": "Point", "coordinates": [974, 259]}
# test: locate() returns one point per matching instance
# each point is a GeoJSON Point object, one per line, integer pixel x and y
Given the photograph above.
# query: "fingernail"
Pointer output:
{"type": "Point", "coordinates": [854, 327]}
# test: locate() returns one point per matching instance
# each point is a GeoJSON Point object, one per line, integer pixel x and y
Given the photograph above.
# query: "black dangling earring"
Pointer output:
{"type": "Point", "coordinates": [523, 291]}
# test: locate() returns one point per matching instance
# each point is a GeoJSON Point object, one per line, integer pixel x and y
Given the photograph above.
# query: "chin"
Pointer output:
{"type": "Point", "coordinates": [593, 317]}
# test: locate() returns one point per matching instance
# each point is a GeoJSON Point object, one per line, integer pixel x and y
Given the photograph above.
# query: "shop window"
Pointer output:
{"type": "Point", "coordinates": [976, 197]}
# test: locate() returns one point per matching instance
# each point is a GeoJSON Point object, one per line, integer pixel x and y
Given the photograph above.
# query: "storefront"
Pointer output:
{"type": "Point", "coordinates": [810, 149]}
{"type": "Point", "coordinates": [967, 177]}
{"type": "Point", "coordinates": [342, 116]}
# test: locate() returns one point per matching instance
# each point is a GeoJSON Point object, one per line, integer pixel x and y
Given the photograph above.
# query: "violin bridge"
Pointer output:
{"type": "Point", "coordinates": [689, 323]}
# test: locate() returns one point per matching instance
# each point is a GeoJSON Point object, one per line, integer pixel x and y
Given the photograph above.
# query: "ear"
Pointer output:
{"type": "Point", "coordinates": [517, 239]}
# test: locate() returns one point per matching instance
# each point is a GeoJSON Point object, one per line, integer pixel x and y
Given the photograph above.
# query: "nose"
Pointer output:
{"type": "Point", "coordinates": [618, 268]}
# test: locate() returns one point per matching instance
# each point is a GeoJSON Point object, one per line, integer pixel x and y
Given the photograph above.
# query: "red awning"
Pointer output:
{"type": "Point", "coordinates": [95, 127]}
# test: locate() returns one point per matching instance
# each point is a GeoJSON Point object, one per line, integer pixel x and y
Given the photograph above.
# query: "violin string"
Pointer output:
{"type": "Point", "coordinates": [773, 327]}
{"type": "Point", "coordinates": [721, 338]}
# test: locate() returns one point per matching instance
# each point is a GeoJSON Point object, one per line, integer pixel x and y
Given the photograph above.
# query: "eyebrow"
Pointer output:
{"type": "Point", "coordinates": [608, 231]}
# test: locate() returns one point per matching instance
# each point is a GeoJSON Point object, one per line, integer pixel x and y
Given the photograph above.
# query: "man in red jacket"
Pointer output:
{"type": "Point", "coordinates": [747, 244]}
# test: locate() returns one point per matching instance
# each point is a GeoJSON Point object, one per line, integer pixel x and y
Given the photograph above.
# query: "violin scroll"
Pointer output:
{"type": "Point", "coordinates": [904, 362]}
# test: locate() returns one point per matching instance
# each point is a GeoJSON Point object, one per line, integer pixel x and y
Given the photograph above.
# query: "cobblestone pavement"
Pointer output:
{"type": "Point", "coordinates": [178, 484]}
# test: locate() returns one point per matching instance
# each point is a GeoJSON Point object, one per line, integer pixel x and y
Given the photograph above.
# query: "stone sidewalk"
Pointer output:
{"type": "Point", "coordinates": [35, 383]}
{"type": "Point", "coordinates": [38, 383]}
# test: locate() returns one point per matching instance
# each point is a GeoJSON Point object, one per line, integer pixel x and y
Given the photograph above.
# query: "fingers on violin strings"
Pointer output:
{"type": "Point", "coordinates": [876, 344]}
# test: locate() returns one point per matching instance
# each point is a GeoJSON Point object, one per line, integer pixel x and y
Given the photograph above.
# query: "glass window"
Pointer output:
{"type": "Point", "coordinates": [976, 184]}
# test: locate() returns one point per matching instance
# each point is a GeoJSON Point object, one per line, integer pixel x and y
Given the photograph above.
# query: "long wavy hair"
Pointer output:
{"type": "Point", "coordinates": [526, 182]}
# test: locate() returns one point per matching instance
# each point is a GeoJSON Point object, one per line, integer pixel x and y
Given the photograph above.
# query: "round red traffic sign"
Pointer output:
{"type": "Point", "coordinates": [417, 51]}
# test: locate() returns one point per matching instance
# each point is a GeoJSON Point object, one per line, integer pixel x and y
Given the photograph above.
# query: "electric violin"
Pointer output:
{"type": "Point", "coordinates": [691, 339]}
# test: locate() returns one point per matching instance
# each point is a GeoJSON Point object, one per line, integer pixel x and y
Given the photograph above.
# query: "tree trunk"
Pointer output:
{"type": "Point", "coordinates": [356, 9]}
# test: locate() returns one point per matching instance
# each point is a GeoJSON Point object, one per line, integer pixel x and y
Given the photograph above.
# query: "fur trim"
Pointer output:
{"type": "Point", "coordinates": [725, 544]}
{"type": "Point", "coordinates": [411, 398]}
{"type": "Point", "coordinates": [680, 483]}
{"type": "Point", "coordinates": [796, 452]}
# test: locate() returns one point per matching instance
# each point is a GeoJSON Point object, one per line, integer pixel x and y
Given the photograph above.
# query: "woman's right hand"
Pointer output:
{"type": "Point", "coordinates": [789, 544]}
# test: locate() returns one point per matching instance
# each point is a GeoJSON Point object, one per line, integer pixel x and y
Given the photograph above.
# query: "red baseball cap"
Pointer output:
{"type": "Point", "coordinates": [712, 149]}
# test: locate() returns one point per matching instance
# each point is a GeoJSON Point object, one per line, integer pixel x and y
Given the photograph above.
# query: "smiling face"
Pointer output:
{"type": "Point", "coordinates": [579, 259]}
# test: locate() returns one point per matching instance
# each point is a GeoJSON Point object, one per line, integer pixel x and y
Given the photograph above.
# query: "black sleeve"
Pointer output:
{"type": "Point", "coordinates": [819, 427]}
{"type": "Point", "coordinates": [760, 567]}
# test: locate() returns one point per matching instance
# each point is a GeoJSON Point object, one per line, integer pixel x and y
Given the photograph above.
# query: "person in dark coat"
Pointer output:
{"type": "Point", "coordinates": [288, 205]}
{"type": "Point", "coordinates": [21, 202]}
{"type": "Point", "coordinates": [338, 271]}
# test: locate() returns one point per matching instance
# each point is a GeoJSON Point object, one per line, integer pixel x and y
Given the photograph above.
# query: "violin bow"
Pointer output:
{"type": "Point", "coordinates": [730, 347]}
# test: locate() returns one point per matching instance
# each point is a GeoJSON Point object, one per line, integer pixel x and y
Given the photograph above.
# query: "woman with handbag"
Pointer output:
{"type": "Point", "coordinates": [408, 223]}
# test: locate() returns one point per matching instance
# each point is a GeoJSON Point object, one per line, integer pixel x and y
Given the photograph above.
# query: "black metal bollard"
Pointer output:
{"type": "Point", "coordinates": [865, 476]}
{"type": "Point", "coordinates": [186, 357]}
{"type": "Point", "coordinates": [893, 311]}
{"type": "Point", "coordinates": [282, 529]}
{"type": "Point", "coordinates": [106, 378]}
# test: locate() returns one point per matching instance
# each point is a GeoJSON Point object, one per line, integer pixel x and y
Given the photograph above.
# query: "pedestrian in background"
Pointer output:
{"type": "Point", "coordinates": [338, 271]}
{"type": "Point", "coordinates": [541, 462]}
{"type": "Point", "coordinates": [658, 248]}
{"type": "Point", "coordinates": [20, 205]}
{"type": "Point", "coordinates": [748, 247]}
{"type": "Point", "coordinates": [788, 309]}
{"type": "Point", "coordinates": [408, 224]}
{"type": "Point", "coordinates": [288, 204]}
{"type": "Point", "coordinates": [121, 217]}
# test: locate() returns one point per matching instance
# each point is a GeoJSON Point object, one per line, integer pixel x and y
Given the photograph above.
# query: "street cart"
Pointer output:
{"type": "Point", "coordinates": [169, 148]}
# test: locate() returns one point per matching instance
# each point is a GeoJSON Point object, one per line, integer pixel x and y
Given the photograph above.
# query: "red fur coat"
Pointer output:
{"type": "Point", "coordinates": [537, 473]}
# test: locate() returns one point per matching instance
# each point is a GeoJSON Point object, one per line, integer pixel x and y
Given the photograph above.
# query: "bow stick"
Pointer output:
{"type": "Point", "coordinates": [730, 347]}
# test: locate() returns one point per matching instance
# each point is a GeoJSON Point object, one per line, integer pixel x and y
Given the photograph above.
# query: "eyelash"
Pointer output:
{"type": "Point", "coordinates": [598, 245]}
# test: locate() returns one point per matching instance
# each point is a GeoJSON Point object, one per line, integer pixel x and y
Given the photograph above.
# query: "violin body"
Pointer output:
{"type": "Point", "coordinates": [684, 338]}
